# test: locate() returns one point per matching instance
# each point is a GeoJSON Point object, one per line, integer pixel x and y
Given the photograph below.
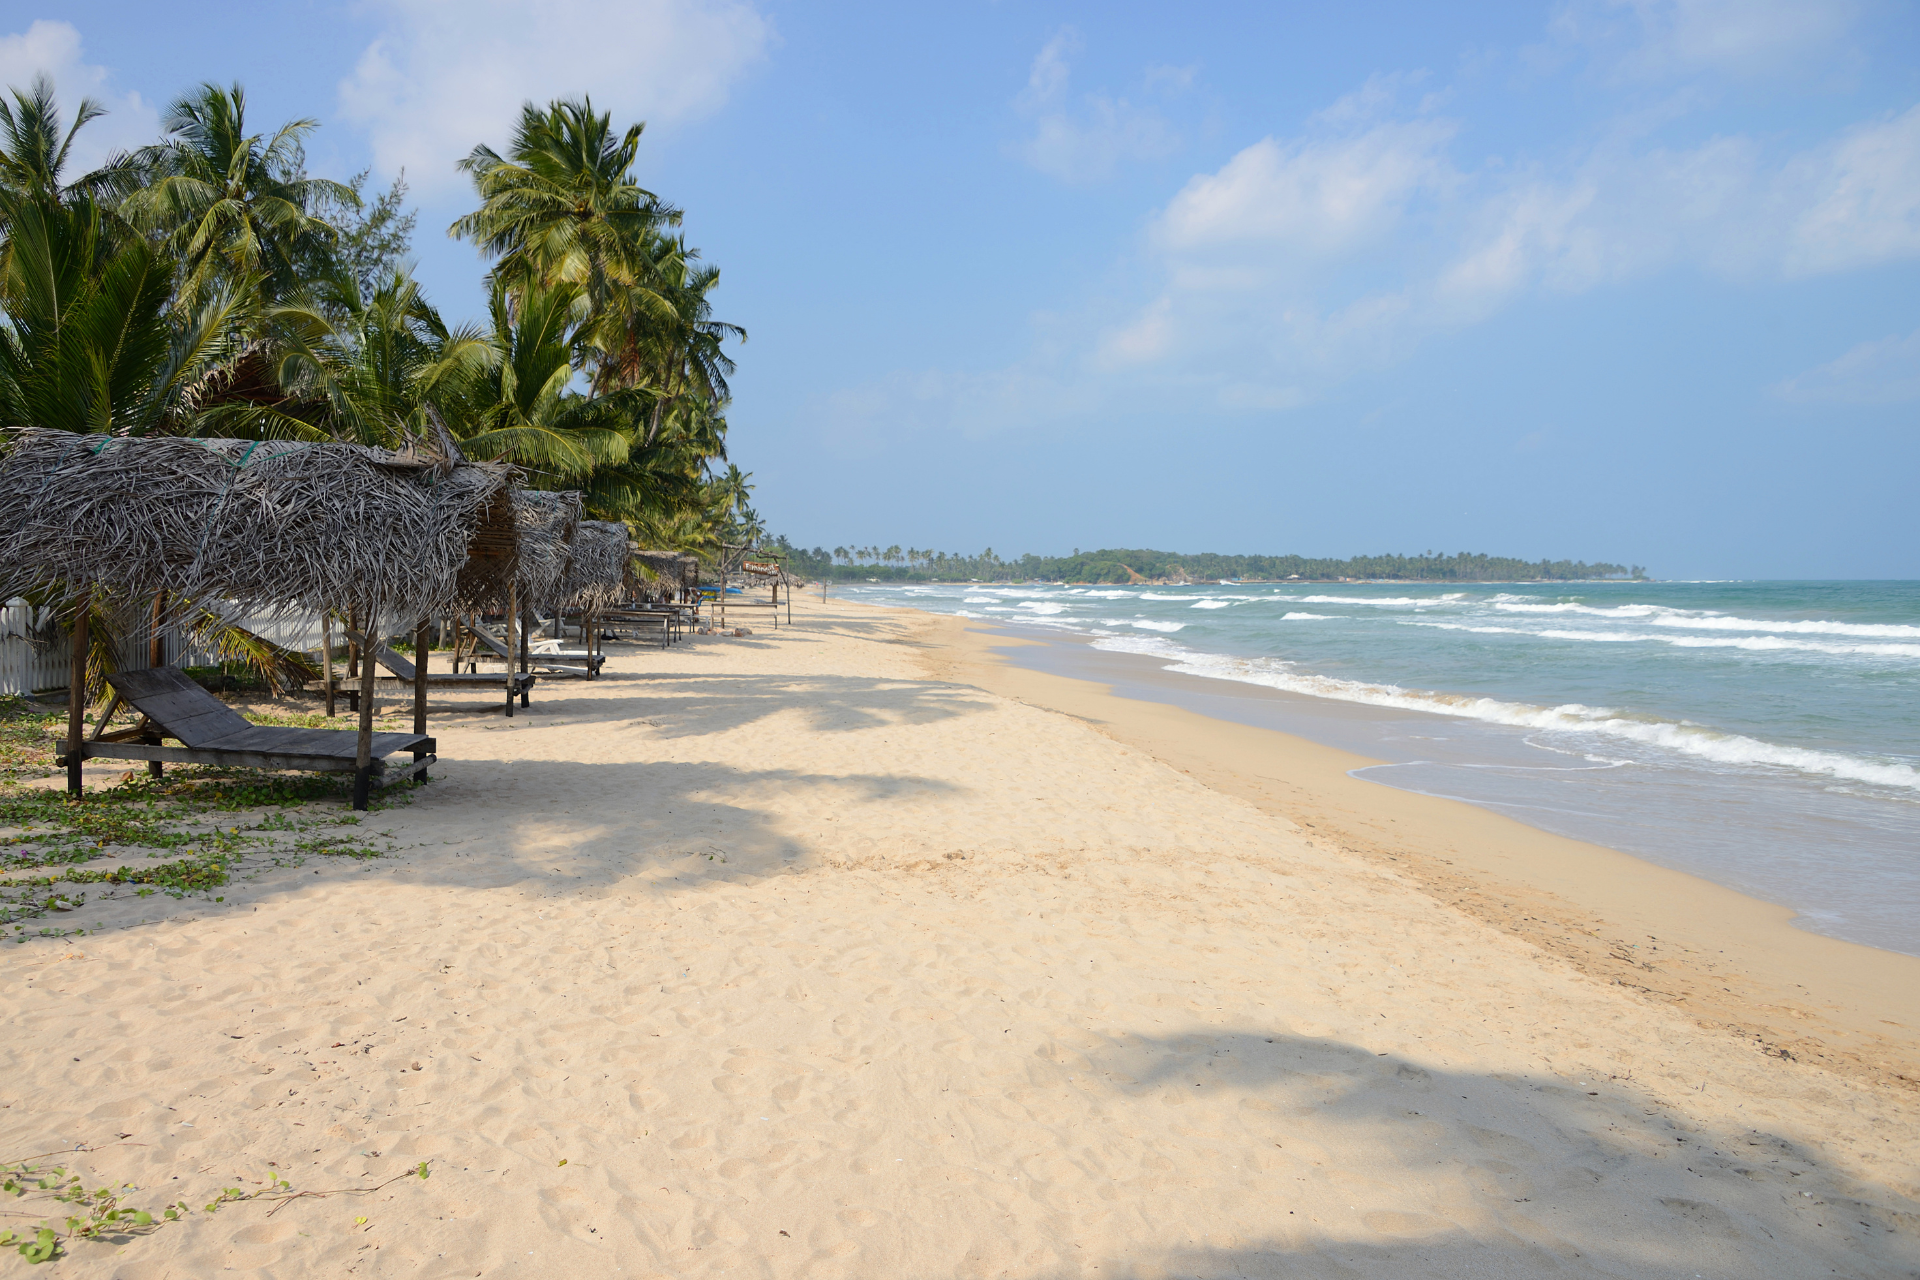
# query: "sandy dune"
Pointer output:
{"type": "Point", "coordinates": [806, 963]}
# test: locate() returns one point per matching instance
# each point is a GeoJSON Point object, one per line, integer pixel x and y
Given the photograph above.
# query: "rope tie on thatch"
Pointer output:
{"type": "Point", "coordinates": [65, 454]}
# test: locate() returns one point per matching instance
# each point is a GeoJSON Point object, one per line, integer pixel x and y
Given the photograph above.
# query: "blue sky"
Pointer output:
{"type": "Point", "coordinates": [1635, 280]}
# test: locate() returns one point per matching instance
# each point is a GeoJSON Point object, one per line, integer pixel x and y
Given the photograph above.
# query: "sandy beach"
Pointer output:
{"type": "Point", "coordinates": [851, 950]}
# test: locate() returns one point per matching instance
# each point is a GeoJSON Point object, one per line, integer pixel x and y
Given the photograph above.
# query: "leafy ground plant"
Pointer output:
{"type": "Point", "coordinates": [27, 732]}
{"type": "Point", "coordinates": [69, 1212]}
{"type": "Point", "coordinates": [216, 820]}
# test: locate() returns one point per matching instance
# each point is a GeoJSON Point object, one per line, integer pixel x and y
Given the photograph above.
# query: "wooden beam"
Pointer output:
{"type": "Point", "coordinates": [400, 774]}
{"type": "Point", "coordinates": [77, 698]}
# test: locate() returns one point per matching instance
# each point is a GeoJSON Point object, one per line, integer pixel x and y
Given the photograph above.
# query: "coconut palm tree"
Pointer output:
{"type": "Point", "coordinates": [234, 205]}
{"type": "Point", "coordinates": [562, 205]}
{"type": "Point", "coordinates": [513, 397]}
{"type": "Point", "coordinates": [664, 336]}
{"type": "Point", "coordinates": [34, 151]}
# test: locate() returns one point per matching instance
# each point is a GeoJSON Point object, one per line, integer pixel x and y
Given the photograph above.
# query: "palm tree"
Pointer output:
{"type": "Point", "coordinates": [34, 151]}
{"type": "Point", "coordinates": [233, 205]}
{"type": "Point", "coordinates": [90, 343]}
{"type": "Point", "coordinates": [514, 398]}
{"type": "Point", "coordinates": [563, 205]}
{"type": "Point", "coordinates": [665, 337]}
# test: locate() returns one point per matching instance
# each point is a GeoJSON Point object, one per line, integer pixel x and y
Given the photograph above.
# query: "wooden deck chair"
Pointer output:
{"type": "Point", "coordinates": [572, 666]}
{"type": "Point", "coordinates": [516, 683]}
{"type": "Point", "coordinates": [211, 732]}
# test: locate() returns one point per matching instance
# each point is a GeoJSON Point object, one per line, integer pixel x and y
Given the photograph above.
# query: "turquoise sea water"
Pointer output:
{"type": "Point", "coordinates": [1762, 734]}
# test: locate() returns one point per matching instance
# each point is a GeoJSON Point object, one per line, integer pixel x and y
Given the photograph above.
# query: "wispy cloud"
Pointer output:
{"type": "Point", "coordinates": [443, 77]}
{"type": "Point", "coordinates": [1086, 139]}
{"type": "Point", "coordinates": [1873, 373]}
{"type": "Point", "coordinates": [1738, 39]}
{"type": "Point", "coordinates": [54, 49]}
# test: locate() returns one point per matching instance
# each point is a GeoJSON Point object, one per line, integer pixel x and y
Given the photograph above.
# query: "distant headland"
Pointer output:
{"type": "Point", "coordinates": [1169, 568]}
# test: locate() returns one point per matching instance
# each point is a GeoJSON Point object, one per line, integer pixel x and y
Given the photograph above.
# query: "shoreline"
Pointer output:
{"type": "Point", "coordinates": [807, 954]}
{"type": "Point", "coordinates": [1733, 962]}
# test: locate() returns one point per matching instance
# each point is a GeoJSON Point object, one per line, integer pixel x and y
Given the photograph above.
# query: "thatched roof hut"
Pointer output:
{"type": "Point", "coordinates": [545, 524]}
{"type": "Point", "coordinates": [270, 525]}
{"type": "Point", "coordinates": [597, 572]}
{"type": "Point", "coordinates": [662, 574]}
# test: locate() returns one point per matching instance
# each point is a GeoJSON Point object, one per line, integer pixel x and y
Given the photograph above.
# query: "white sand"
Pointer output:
{"type": "Point", "coordinates": [807, 964]}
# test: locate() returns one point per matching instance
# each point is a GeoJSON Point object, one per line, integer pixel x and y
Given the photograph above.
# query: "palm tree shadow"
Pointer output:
{"type": "Point", "coordinates": [1537, 1177]}
{"type": "Point", "coordinates": [691, 705]}
{"type": "Point", "coordinates": [677, 824]}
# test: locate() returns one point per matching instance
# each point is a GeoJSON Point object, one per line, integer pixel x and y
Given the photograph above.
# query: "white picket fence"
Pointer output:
{"type": "Point", "coordinates": [27, 667]}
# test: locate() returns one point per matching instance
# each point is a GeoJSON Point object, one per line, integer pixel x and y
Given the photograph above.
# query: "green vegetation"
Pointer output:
{"type": "Point", "coordinates": [103, 1215]}
{"type": "Point", "coordinates": [208, 285]}
{"type": "Point", "coordinates": [221, 823]}
{"type": "Point", "coordinates": [893, 564]}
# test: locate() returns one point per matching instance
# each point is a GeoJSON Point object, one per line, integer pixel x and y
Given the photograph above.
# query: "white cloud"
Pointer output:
{"type": "Point", "coordinates": [1148, 338]}
{"type": "Point", "coordinates": [1313, 196]}
{"type": "Point", "coordinates": [1738, 39]}
{"type": "Point", "coordinates": [1744, 37]}
{"type": "Point", "coordinates": [1882, 372]}
{"type": "Point", "coordinates": [1866, 199]}
{"type": "Point", "coordinates": [444, 77]}
{"type": "Point", "coordinates": [54, 49]}
{"type": "Point", "coordinates": [1086, 141]}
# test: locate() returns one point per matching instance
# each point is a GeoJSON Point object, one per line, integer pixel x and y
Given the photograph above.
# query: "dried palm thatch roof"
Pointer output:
{"type": "Point", "coordinates": [598, 571]}
{"type": "Point", "coordinates": [269, 525]}
{"type": "Point", "coordinates": [677, 567]}
{"type": "Point", "coordinates": [544, 527]}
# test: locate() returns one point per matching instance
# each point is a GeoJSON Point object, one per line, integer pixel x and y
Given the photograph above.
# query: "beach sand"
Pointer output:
{"type": "Point", "coordinates": [837, 951]}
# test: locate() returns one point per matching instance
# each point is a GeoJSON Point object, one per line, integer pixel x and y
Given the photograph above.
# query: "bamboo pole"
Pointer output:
{"type": "Point", "coordinates": [77, 699]}
{"type": "Point", "coordinates": [363, 749]}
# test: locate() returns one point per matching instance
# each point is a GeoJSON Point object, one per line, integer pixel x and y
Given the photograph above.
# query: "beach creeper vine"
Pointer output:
{"type": "Point", "coordinates": [103, 1212]}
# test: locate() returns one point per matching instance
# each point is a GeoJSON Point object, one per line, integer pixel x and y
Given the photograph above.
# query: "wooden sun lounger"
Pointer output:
{"type": "Point", "coordinates": [211, 732]}
{"type": "Point", "coordinates": [516, 683]}
{"type": "Point", "coordinates": [587, 667]}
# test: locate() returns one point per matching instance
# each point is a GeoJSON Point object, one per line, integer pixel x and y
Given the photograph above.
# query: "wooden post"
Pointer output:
{"type": "Point", "coordinates": [363, 750]}
{"type": "Point", "coordinates": [525, 665]}
{"type": "Point", "coordinates": [157, 643]}
{"type": "Point", "coordinates": [77, 699]}
{"type": "Point", "coordinates": [420, 655]}
{"type": "Point", "coordinates": [513, 606]}
{"type": "Point", "coordinates": [326, 654]}
{"type": "Point", "coordinates": [157, 657]}
{"type": "Point", "coordinates": [353, 661]}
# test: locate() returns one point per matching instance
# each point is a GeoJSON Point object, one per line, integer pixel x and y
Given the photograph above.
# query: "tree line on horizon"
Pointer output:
{"type": "Point", "coordinates": [1116, 566]}
{"type": "Point", "coordinates": [208, 285]}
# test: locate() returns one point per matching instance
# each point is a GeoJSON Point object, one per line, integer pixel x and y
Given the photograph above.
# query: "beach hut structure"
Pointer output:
{"type": "Point", "coordinates": [596, 576]}
{"type": "Point", "coordinates": [545, 526]}
{"type": "Point", "coordinates": [99, 523]}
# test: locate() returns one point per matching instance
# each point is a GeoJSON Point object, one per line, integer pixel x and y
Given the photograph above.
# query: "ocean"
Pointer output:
{"type": "Point", "coordinates": [1764, 735]}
